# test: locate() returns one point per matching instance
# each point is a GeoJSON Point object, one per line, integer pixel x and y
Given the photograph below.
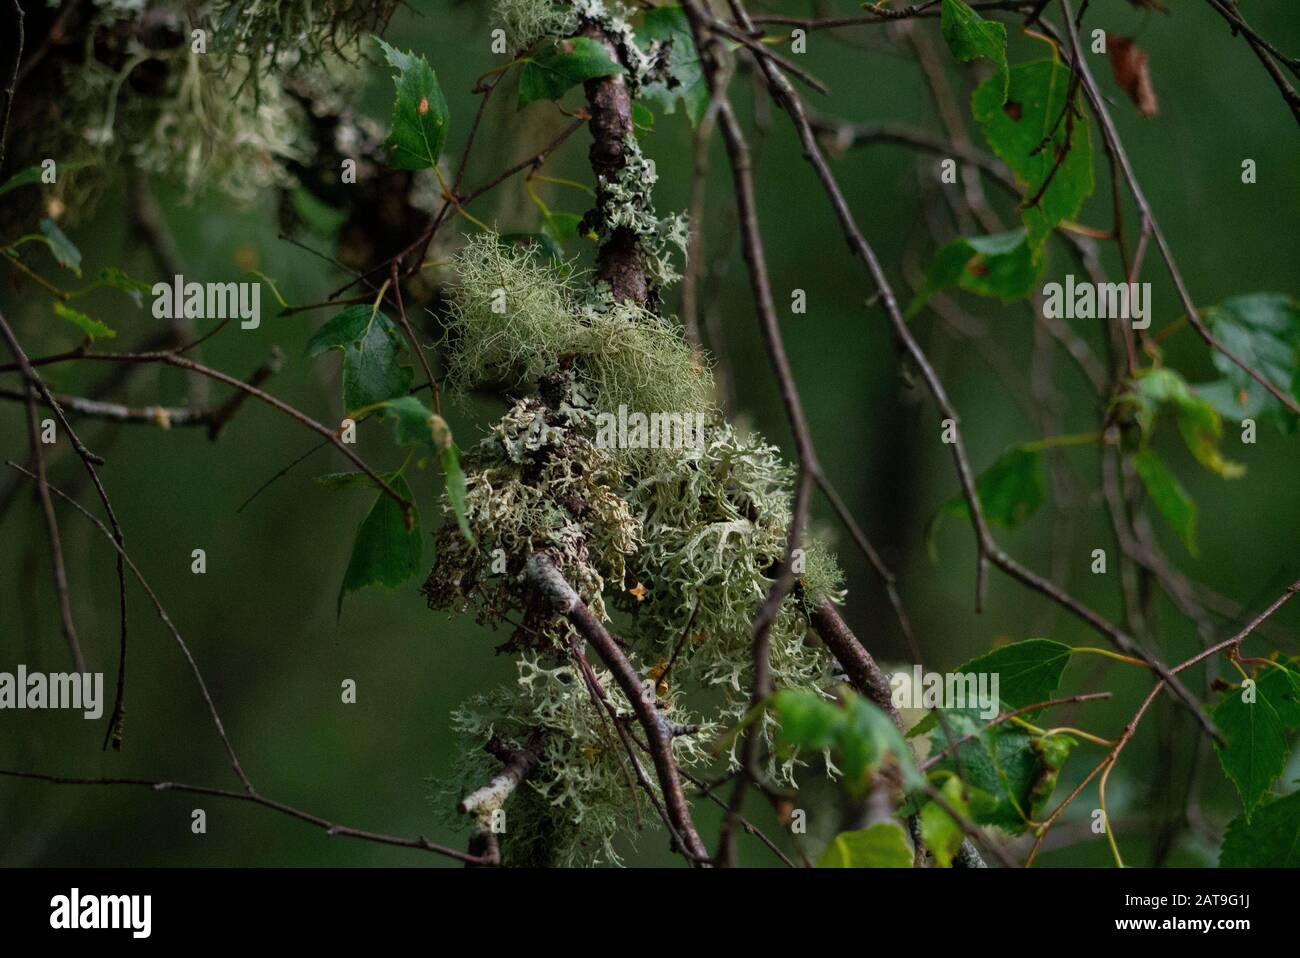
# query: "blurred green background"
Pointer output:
{"type": "Point", "coordinates": [261, 622]}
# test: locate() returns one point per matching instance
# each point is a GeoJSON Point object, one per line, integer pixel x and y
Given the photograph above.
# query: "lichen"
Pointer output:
{"type": "Point", "coordinates": [525, 22]}
{"type": "Point", "coordinates": [514, 319]}
{"type": "Point", "coordinates": [537, 482]}
{"type": "Point", "coordinates": [583, 795]}
{"type": "Point", "coordinates": [680, 546]}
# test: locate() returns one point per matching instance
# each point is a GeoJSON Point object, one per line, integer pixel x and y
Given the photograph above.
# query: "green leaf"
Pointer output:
{"type": "Point", "coordinates": [1280, 684]}
{"type": "Point", "coordinates": [562, 65]}
{"type": "Point", "coordinates": [861, 735]}
{"type": "Point", "coordinates": [940, 832]}
{"type": "Point", "coordinates": [882, 845]}
{"type": "Point", "coordinates": [115, 278]}
{"type": "Point", "coordinates": [1270, 840]}
{"type": "Point", "coordinates": [685, 76]}
{"type": "Point", "coordinates": [1168, 494]}
{"type": "Point", "coordinates": [1255, 749]}
{"type": "Point", "coordinates": [642, 116]}
{"type": "Point", "coordinates": [30, 175]}
{"type": "Point", "coordinates": [64, 250]}
{"type": "Point", "coordinates": [808, 720]}
{"type": "Point", "coordinates": [1020, 122]}
{"type": "Point", "coordinates": [454, 479]}
{"type": "Point", "coordinates": [561, 227]}
{"type": "Point", "coordinates": [371, 348]}
{"type": "Point", "coordinates": [1010, 491]}
{"type": "Point", "coordinates": [414, 420]}
{"type": "Point", "coordinates": [1001, 265]}
{"type": "Point", "coordinates": [1198, 422]}
{"type": "Point", "coordinates": [420, 115]}
{"type": "Point", "coordinates": [385, 551]}
{"type": "Point", "coordinates": [1028, 671]}
{"type": "Point", "coordinates": [319, 216]}
{"type": "Point", "coordinates": [1263, 330]}
{"type": "Point", "coordinates": [970, 36]}
{"type": "Point", "coordinates": [1011, 773]}
{"type": "Point", "coordinates": [91, 327]}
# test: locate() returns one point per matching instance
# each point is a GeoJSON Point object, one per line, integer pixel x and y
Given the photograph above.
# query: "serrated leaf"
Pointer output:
{"type": "Point", "coordinates": [420, 115]}
{"type": "Point", "coordinates": [970, 36]}
{"type": "Point", "coordinates": [64, 250]}
{"type": "Point", "coordinates": [686, 79]}
{"type": "Point", "coordinates": [1269, 840]}
{"type": "Point", "coordinates": [91, 327]}
{"type": "Point", "coordinates": [1254, 751]}
{"type": "Point", "coordinates": [1002, 265]}
{"type": "Point", "coordinates": [1015, 770]}
{"type": "Point", "coordinates": [1026, 126]}
{"type": "Point", "coordinates": [1169, 496]}
{"type": "Point", "coordinates": [31, 174]}
{"type": "Point", "coordinates": [1028, 671]}
{"type": "Point", "coordinates": [1263, 330]}
{"type": "Point", "coordinates": [385, 552]}
{"type": "Point", "coordinates": [883, 845]}
{"type": "Point", "coordinates": [1280, 684]}
{"type": "Point", "coordinates": [372, 348]}
{"type": "Point", "coordinates": [561, 65]}
{"type": "Point", "coordinates": [940, 832]}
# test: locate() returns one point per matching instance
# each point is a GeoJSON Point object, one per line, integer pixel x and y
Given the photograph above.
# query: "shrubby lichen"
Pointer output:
{"type": "Point", "coordinates": [679, 546]}
{"type": "Point", "coordinates": [583, 795]}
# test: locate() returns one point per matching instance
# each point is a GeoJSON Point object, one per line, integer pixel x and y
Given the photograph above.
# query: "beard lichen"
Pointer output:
{"type": "Point", "coordinates": [525, 22]}
{"type": "Point", "coordinates": [679, 546]}
{"type": "Point", "coordinates": [513, 320]}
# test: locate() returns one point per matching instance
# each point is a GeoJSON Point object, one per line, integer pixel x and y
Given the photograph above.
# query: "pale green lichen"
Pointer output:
{"type": "Point", "coordinates": [583, 794]}
{"type": "Point", "coordinates": [627, 204]}
{"type": "Point", "coordinates": [265, 37]}
{"type": "Point", "coordinates": [681, 546]}
{"type": "Point", "coordinates": [525, 22]}
{"type": "Point", "coordinates": [514, 319]}
{"type": "Point", "coordinates": [537, 482]}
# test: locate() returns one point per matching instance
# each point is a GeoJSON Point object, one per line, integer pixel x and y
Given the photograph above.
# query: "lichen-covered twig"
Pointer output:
{"type": "Point", "coordinates": [544, 577]}
{"type": "Point", "coordinates": [517, 765]}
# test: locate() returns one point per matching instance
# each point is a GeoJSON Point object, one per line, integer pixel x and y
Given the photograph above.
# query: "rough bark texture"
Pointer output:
{"type": "Point", "coordinates": [619, 261]}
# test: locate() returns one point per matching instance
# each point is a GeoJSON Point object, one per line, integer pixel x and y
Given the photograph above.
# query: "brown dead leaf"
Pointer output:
{"type": "Point", "coordinates": [1128, 62]}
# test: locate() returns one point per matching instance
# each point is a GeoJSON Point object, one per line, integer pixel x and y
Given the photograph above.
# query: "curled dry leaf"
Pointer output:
{"type": "Point", "coordinates": [1128, 62]}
